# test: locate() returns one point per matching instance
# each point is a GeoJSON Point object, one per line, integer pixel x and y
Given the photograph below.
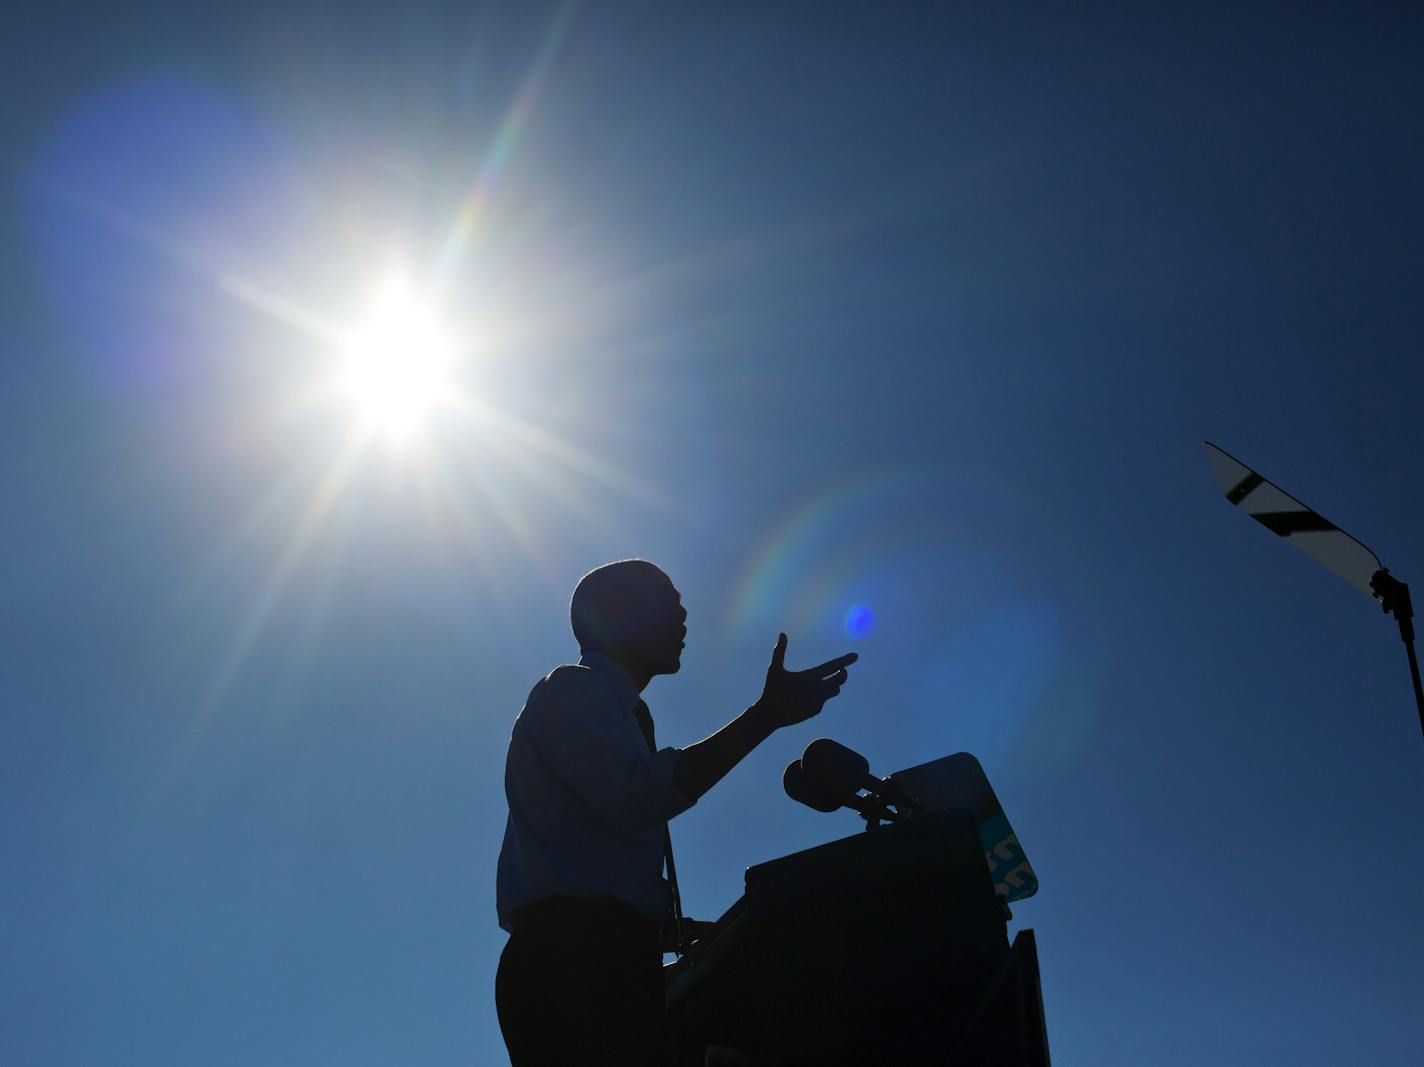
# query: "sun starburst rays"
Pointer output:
{"type": "Point", "coordinates": [406, 392]}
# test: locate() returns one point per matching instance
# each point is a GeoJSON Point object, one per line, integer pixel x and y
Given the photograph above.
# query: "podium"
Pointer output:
{"type": "Point", "coordinates": [886, 947]}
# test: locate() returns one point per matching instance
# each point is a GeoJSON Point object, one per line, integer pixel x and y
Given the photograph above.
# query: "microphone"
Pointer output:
{"type": "Point", "coordinates": [803, 790]}
{"type": "Point", "coordinates": [836, 771]}
{"type": "Point", "coordinates": [793, 780]}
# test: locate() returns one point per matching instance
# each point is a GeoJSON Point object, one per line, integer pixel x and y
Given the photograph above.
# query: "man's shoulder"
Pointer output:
{"type": "Point", "coordinates": [566, 677]}
{"type": "Point", "coordinates": [566, 684]}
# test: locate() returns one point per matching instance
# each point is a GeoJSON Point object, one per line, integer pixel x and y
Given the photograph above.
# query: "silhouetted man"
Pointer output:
{"type": "Point", "coordinates": [580, 885]}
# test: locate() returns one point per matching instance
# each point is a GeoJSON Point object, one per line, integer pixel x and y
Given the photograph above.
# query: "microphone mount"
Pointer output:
{"type": "Point", "coordinates": [829, 776]}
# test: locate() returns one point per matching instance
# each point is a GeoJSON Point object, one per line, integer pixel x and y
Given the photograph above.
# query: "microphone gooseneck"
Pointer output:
{"type": "Point", "coordinates": [829, 776]}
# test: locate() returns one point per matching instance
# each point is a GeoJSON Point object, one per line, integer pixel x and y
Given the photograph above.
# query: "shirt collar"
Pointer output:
{"type": "Point", "coordinates": [614, 675]}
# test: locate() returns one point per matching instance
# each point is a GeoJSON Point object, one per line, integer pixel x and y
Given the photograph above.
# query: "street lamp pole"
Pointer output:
{"type": "Point", "coordinates": [1393, 596]}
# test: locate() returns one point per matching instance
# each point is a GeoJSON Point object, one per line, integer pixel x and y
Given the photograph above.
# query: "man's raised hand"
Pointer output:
{"type": "Point", "coordinates": [790, 697]}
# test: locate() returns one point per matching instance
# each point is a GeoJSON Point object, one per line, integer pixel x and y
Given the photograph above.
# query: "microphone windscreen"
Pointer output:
{"type": "Point", "coordinates": [834, 770]}
{"type": "Point", "coordinates": [793, 780]}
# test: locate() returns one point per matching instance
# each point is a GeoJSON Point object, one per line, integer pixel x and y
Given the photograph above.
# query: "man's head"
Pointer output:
{"type": "Point", "coordinates": [630, 610]}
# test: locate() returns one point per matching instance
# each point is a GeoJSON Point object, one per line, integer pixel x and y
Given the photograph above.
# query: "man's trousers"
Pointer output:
{"type": "Point", "coordinates": [580, 982]}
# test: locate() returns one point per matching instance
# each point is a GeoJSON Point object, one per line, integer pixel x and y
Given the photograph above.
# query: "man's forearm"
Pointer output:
{"type": "Point", "coordinates": [703, 765]}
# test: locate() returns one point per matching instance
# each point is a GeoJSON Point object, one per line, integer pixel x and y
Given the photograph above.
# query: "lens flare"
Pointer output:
{"type": "Point", "coordinates": [859, 621]}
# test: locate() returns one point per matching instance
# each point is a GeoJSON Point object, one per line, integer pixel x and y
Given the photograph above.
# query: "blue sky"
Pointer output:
{"type": "Point", "coordinates": [925, 309]}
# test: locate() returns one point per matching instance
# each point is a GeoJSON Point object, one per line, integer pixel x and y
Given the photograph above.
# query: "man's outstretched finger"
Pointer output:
{"type": "Point", "coordinates": [832, 665]}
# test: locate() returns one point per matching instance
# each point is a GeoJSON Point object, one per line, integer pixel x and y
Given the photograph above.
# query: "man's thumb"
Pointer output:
{"type": "Point", "coordinates": [778, 654]}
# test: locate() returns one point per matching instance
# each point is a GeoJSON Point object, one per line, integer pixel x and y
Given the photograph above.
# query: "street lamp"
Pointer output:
{"type": "Point", "coordinates": [1322, 541]}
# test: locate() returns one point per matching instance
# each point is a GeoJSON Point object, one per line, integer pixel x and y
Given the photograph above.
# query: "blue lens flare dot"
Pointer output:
{"type": "Point", "coordinates": [859, 620]}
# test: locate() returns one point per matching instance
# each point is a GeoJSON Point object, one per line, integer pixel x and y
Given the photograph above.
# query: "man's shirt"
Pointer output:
{"type": "Point", "coordinates": [588, 801]}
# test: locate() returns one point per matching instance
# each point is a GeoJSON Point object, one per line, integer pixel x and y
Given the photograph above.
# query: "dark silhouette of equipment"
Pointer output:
{"type": "Point", "coordinates": [802, 790]}
{"type": "Point", "coordinates": [888, 946]}
{"type": "Point", "coordinates": [829, 776]}
{"type": "Point", "coordinates": [1322, 541]}
{"type": "Point", "coordinates": [841, 771]}
{"type": "Point", "coordinates": [799, 789]}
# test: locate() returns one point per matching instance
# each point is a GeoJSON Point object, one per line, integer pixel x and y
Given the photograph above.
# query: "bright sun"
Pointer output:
{"type": "Point", "coordinates": [396, 366]}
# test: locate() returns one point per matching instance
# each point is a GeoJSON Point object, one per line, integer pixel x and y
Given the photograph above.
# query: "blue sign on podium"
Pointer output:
{"type": "Point", "coordinates": [958, 781]}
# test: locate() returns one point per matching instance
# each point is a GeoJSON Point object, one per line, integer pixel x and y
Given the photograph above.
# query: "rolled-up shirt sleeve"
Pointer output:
{"type": "Point", "coordinates": [594, 745]}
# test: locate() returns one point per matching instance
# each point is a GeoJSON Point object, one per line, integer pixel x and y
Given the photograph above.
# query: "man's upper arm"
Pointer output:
{"type": "Point", "coordinates": [595, 748]}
